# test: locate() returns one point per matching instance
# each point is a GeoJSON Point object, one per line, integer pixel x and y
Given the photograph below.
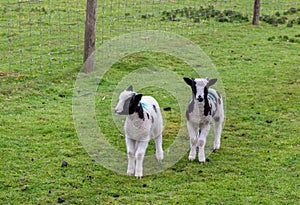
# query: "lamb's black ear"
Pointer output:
{"type": "Point", "coordinates": [211, 82]}
{"type": "Point", "coordinates": [188, 81]}
{"type": "Point", "coordinates": [138, 109]}
{"type": "Point", "coordinates": [137, 99]}
{"type": "Point", "coordinates": [129, 88]}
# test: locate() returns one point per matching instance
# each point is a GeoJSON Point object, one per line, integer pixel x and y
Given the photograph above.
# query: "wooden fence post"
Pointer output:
{"type": "Point", "coordinates": [90, 35]}
{"type": "Point", "coordinates": [256, 9]}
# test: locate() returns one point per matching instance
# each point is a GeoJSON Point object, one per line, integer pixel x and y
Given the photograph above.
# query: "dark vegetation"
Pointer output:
{"type": "Point", "coordinates": [295, 39]}
{"type": "Point", "coordinates": [288, 17]}
{"type": "Point", "coordinates": [201, 14]}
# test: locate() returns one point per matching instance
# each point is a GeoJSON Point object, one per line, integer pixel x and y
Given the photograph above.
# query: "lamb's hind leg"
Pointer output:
{"type": "Point", "coordinates": [218, 124]}
{"type": "Point", "coordinates": [130, 145]}
{"type": "Point", "coordinates": [159, 149]}
{"type": "Point", "coordinates": [217, 131]}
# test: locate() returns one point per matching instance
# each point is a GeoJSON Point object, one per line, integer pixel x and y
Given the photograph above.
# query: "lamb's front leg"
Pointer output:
{"type": "Point", "coordinates": [130, 145]}
{"type": "Point", "coordinates": [139, 156]}
{"type": "Point", "coordinates": [193, 141]}
{"type": "Point", "coordinates": [202, 141]}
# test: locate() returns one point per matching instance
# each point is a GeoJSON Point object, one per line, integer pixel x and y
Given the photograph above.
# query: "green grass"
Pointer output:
{"type": "Point", "coordinates": [259, 158]}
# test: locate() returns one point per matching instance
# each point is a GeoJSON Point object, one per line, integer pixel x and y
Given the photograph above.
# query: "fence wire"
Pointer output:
{"type": "Point", "coordinates": [37, 34]}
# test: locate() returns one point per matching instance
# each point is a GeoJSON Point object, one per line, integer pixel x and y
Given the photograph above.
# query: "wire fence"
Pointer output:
{"type": "Point", "coordinates": [37, 35]}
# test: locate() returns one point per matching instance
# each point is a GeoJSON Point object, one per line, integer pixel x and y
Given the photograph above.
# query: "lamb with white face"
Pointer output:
{"type": "Point", "coordinates": [143, 122]}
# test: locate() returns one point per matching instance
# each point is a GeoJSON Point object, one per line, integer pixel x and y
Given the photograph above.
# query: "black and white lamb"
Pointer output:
{"type": "Point", "coordinates": [143, 121]}
{"type": "Point", "coordinates": [206, 104]}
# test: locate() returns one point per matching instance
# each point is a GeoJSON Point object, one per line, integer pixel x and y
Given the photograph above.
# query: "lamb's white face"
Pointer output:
{"type": "Point", "coordinates": [122, 107]}
{"type": "Point", "coordinates": [199, 85]}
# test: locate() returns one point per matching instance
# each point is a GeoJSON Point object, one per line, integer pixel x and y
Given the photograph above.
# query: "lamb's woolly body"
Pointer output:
{"type": "Point", "coordinates": [150, 126]}
{"type": "Point", "coordinates": [143, 121]}
{"type": "Point", "coordinates": [206, 104]}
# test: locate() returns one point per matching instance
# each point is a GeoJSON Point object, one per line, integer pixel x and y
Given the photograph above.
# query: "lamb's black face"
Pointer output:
{"type": "Point", "coordinates": [200, 92]}
{"type": "Point", "coordinates": [199, 87]}
{"type": "Point", "coordinates": [123, 105]}
{"type": "Point", "coordinates": [200, 98]}
{"type": "Point", "coordinates": [128, 103]}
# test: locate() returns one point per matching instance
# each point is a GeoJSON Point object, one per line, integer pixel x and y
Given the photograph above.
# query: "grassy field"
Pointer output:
{"type": "Point", "coordinates": [259, 158]}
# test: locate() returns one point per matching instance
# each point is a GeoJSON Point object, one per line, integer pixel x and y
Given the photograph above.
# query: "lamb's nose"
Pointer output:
{"type": "Point", "coordinates": [200, 99]}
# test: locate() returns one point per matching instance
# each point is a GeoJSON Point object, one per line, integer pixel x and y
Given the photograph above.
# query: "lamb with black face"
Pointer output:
{"type": "Point", "coordinates": [205, 106]}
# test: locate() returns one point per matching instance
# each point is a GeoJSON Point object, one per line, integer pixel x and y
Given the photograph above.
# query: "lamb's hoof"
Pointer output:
{"type": "Point", "coordinates": [201, 161]}
{"type": "Point", "coordinates": [216, 147]}
{"type": "Point", "coordinates": [130, 173]}
{"type": "Point", "coordinates": [191, 158]}
{"type": "Point", "coordinates": [160, 158]}
{"type": "Point", "coordinates": [139, 177]}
